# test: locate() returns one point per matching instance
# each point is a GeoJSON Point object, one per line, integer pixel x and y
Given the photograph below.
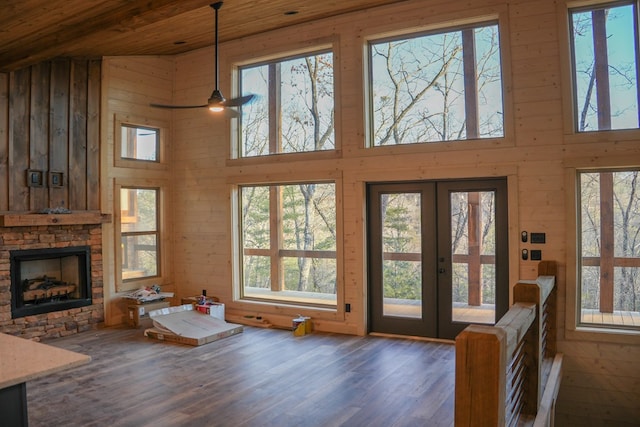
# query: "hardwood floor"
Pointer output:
{"type": "Point", "coordinates": [261, 377]}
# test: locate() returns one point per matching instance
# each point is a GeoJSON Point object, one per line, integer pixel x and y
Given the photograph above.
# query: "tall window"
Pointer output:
{"type": "Point", "coordinates": [289, 242]}
{"type": "Point", "coordinates": [442, 86]}
{"type": "Point", "coordinates": [610, 248]}
{"type": "Point", "coordinates": [605, 66]}
{"type": "Point", "coordinates": [139, 234]}
{"type": "Point", "coordinates": [293, 111]}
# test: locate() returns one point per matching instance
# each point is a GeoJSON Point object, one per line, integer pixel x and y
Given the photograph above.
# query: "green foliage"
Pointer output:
{"type": "Point", "coordinates": [306, 215]}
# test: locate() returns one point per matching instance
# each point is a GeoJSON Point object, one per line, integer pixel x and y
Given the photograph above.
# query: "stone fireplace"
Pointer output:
{"type": "Point", "coordinates": [69, 254]}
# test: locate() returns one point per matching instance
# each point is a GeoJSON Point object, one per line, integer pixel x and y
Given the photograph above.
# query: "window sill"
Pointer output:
{"type": "Point", "coordinates": [603, 334]}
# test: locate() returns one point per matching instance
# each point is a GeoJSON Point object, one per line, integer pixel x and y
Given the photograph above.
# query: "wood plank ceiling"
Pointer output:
{"type": "Point", "coordinates": [32, 31]}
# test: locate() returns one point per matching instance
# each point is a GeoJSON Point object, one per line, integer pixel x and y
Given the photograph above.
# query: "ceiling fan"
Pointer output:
{"type": "Point", "coordinates": [216, 102]}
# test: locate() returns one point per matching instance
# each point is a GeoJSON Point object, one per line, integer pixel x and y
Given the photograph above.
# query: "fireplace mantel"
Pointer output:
{"type": "Point", "coordinates": [28, 219]}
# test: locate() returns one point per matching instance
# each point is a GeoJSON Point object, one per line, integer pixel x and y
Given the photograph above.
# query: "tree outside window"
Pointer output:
{"type": "Point", "coordinates": [605, 66]}
{"type": "Point", "coordinates": [139, 233]}
{"type": "Point", "coordinates": [294, 109]}
{"type": "Point", "coordinates": [444, 86]}
{"type": "Point", "coordinates": [610, 248]}
{"type": "Point", "coordinates": [289, 242]}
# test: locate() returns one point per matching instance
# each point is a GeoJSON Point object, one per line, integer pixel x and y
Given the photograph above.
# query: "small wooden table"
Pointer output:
{"type": "Point", "coordinates": [22, 360]}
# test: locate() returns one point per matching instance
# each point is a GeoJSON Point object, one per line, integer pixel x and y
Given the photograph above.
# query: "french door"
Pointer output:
{"type": "Point", "coordinates": [437, 256]}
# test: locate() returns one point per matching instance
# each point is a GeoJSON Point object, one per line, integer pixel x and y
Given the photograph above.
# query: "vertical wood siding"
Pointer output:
{"type": "Point", "coordinates": [49, 122]}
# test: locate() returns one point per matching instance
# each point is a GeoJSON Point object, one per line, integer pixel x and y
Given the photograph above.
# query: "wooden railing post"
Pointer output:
{"type": "Point", "coordinates": [502, 370]}
{"type": "Point", "coordinates": [537, 292]}
{"type": "Point", "coordinates": [480, 377]}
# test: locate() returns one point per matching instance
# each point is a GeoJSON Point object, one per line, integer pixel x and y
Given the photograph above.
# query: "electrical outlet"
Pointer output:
{"type": "Point", "coordinates": [536, 255]}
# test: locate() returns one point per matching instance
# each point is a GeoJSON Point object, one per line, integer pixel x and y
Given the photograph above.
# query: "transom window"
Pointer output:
{"type": "Point", "coordinates": [294, 108]}
{"type": "Point", "coordinates": [605, 66]}
{"type": "Point", "coordinates": [609, 241]}
{"type": "Point", "coordinates": [289, 243]}
{"type": "Point", "coordinates": [440, 86]}
{"type": "Point", "coordinates": [139, 143]}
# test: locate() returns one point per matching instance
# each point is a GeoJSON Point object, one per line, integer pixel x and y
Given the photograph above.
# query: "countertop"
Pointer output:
{"type": "Point", "coordinates": [22, 360]}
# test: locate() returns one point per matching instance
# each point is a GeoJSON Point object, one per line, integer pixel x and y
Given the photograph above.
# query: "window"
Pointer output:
{"type": "Point", "coordinates": [605, 66]}
{"type": "Point", "coordinates": [443, 86]}
{"type": "Point", "coordinates": [139, 143]}
{"type": "Point", "coordinates": [289, 243]}
{"type": "Point", "coordinates": [293, 111]}
{"type": "Point", "coordinates": [609, 237]}
{"type": "Point", "coordinates": [139, 235]}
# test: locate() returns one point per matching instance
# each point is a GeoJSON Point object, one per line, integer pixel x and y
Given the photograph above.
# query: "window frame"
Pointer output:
{"type": "Point", "coordinates": [575, 330]}
{"type": "Point", "coordinates": [129, 284]}
{"type": "Point", "coordinates": [273, 104]}
{"type": "Point", "coordinates": [280, 253]}
{"type": "Point", "coordinates": [604, 121]}
{"type": "Point", "coordinates": [162, 127]}
{"type": "Point", "coordinates": [569, 123]}
{"type": "Point", "coordinates": [470, 102]}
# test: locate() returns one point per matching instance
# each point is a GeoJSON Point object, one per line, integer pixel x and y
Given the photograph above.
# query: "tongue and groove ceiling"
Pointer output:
{"type": "Point", "coordinates": [32, 31]}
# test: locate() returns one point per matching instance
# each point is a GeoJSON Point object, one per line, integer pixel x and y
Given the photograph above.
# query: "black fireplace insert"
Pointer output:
{"type": "Point", "coordinates": [50, 279]}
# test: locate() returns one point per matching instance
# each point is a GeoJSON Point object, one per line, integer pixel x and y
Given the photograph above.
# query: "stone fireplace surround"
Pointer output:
{"type": "Point", "coordinates": [51, 235]}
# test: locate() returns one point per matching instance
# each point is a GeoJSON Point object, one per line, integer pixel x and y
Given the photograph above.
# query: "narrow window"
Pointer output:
{"type": "Point", "coordinates": [293, 112]}
{"type": "Point", "coordinates": [139, 233]}
{"type": "Point", "coordinates": [440, 86]}
{"type": "Point", "coordinates": [289, 243]}
{"type": "Point", "coordinates": [605, 66]}
{"type": "Point", "coordinates": [609, 271]}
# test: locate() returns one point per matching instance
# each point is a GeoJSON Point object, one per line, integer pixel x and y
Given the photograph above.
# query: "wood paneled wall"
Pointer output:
{"type": "Point", "coordinates": [539, 151]}
{"type": "Point", "coordinates": [129, 85]}
{"type": "Point", "coordinates": [50, 122]}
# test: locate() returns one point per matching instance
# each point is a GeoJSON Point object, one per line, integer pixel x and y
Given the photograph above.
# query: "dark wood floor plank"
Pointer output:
{"type": "Point", "coordinates": [262, 377]}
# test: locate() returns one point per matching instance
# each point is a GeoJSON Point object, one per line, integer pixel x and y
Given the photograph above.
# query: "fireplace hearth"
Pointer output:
{"type": "Point", "coordinates": [49, 280]}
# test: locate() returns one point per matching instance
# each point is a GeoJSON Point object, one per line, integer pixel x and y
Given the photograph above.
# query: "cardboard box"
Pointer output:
{"type": "Point", "coordinates": [214, 309]}
{"type": "Point", "coordinates": [138, 312]}
{"type": "Point", "coordinates": [185, 325]}
{"type": "Point", "coordinates": [195, 299]}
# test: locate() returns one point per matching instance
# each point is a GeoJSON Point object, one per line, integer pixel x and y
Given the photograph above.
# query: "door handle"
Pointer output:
{"type": "Point", "coordinates": [441, 270]}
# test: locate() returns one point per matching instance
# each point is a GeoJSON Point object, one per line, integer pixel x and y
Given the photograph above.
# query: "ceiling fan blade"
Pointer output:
{"type": "Point", "coordinates": [216, 103]}
{"type": "Point", "coordinates": [231, 114]}
{"type": "Point", "coordinates": [177, 106]}
{"type": "Point", "coordinates": [236, 102]}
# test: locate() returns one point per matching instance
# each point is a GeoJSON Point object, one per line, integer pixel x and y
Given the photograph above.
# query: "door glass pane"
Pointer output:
{"type": "Point", "coordinates": [473, 256]}
{"type": "Point", "coordinates": [401, 255]}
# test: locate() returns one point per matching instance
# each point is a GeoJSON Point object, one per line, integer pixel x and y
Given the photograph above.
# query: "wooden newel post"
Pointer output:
{"type": "Point", "coordinates": [537, 292]}
{"type": "Point", "coordinates": [480, 392]}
